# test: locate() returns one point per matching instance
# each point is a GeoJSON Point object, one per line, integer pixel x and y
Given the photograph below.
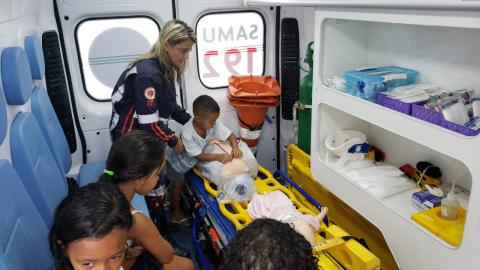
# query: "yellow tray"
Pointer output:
{"type": "Point", "coordinates": [350, 254]}
{"type": "Point", "coordinates": [450, 231]}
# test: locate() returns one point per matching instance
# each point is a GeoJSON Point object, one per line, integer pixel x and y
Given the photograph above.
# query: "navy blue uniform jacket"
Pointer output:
{"type": "Point", "coordinates": [144, 99]}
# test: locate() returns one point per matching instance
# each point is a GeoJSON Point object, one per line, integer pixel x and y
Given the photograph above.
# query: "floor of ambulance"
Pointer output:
{"type": "Point", "coordinates": [183, 236]}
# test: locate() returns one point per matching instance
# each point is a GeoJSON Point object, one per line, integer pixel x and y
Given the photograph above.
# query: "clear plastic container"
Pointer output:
{"type": "Point", "coordinates": [367, 83]}
{"type": "Point", "coordinates": [239, 188]}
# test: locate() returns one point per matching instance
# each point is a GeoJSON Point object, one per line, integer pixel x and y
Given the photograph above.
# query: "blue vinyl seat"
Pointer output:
{"type": "Point", "coordinates": [47, 119]}
{"type": "Point", "coordinates": [50, 125]}
{"type": "Point", "coordinates": [31, 157]}
{"type": "Point", "coordinates": [35, 164]}
{"type": "Point", "coordinates": [23, 233]}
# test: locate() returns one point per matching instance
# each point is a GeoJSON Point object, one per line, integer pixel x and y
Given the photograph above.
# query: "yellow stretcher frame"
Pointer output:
{"type": "Point", "coordinates": [330, 250]}
{"type": "Point", "coordinates": [340, 213]}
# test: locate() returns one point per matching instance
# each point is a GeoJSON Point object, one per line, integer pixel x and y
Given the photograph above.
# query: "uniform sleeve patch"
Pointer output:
{"type": "Point", "coordinates": [150, 93]}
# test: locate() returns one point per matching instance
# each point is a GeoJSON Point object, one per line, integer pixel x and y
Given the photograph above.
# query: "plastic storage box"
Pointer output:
{"type": "Point", "coordinates": [367, 83]}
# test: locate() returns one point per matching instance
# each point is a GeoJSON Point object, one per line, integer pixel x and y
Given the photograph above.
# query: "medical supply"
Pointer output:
{"type": "Point", "coordinates": [461, 194]}
{"type": "Point", "coordinates": [474, 123]}
{"type": "Point", "coordinates": [415, 92]}
{"type": "Point", "coordinates": [239, 188]}
{"type": "Point", "coordinates": [449, 205]}
{"type": "Point", "coordinates": [444, 100]}
{"type": "Point", "coordinates": [476, 107]}
{"type": "Point", "coordinates": [345, 145]}
{"type": "Point", "coordinates": [367, 83]}
{"type": "Point", "coordinates": [456, 113]}
{"type": "Point", "coordinates": [335, 82]}
{"type": "Point", "coordinates": [434, 190]}
{"type": "Point", "coordinates": [425, 173]}
{"type": "Point", "coordinates": [375, 154]}
{"type": "Point", "coordinates": [424, 200]}
{"type": "Point", "coordinates": [380, 180]}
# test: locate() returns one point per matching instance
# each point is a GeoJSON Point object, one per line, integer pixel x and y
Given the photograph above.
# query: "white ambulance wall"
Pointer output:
{"type": "Point", "coordinates": [305, 17]}
{"type": "Point", "coordinates": [17, 20]}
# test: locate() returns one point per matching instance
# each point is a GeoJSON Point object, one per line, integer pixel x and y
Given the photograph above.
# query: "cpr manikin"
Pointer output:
{"type": "Point", "coordinates": [277, 205]}
{"type": "Point", "coordinates": [233, 179]}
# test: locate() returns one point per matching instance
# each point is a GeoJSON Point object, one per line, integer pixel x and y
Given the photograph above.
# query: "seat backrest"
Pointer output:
{"type": "Point", "coordinates": [42, 107]}
{"type": "Point", "coordinates": [16, 76]}
{"type": "Point", "coordinates": [3, 116]}
{"type": "Point", "coordinates": [38, 170]}
{"type": "Point", "coordinates": [23, 233]}
{"type": "Point", "coordinates": [52, 130]}
{"type": "Point", "coordinates": [33, 48]}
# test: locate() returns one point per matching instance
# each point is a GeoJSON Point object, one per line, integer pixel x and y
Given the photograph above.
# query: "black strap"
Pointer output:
{"type": "Point", "coordinates": [359, 240]}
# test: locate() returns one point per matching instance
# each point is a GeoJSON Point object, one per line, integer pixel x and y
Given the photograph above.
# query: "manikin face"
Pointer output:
{"type": "Point", "coordinates": [104, 253]}
{"type": "Point", "coordinates": [179, 52]}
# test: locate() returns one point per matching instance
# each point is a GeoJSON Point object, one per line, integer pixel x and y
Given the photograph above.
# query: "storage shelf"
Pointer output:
{"type": "Point", "coordinates": [438, 45]}
{"type": "Point", "coordinates": [398, 206]}
{"type": "Point", "coordinates": [427, 134]}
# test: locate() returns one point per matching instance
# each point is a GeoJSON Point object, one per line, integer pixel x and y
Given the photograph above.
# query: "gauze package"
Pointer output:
{"type": "Point", "coordinates": [235, 178]}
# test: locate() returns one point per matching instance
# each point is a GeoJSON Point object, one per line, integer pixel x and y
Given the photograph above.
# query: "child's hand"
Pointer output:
{"type": "Point", "coordinates": [224, 158]}
{"type": "Point", "coordinates": [236, 152]}
{"type": "Point", "coordinates": [179, 147]}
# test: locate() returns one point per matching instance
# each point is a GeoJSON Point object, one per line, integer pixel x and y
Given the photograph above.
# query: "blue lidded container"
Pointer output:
{"type": "Point", "coordinates": [367, 83]}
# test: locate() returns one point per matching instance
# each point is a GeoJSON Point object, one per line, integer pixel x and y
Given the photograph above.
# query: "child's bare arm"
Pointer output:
{"type": "Point", "coordinates": [224, 158]}
{"type": "Point", "coordinates": [236, 152]}
{"type": "Point", "coordinates": [147, 235]}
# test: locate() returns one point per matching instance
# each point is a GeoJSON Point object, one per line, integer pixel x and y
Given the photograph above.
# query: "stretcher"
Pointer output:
{"type": "Point", "coordinates": [215, 224]}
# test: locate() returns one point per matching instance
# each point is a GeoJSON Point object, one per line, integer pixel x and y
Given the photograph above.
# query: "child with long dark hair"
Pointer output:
{"type": "Point", "coordinates": [133, 165]}
{"type": "Point", "coordinates": [91, 228]}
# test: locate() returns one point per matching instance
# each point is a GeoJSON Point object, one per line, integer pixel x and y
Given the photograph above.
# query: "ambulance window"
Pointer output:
{"type": "Point", "coordinates": [230, 44]}
{"type": "Point", "coordinates": [106, 46]}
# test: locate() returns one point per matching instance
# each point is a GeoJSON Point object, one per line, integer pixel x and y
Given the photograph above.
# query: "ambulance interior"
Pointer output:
{"type": "Point", "coordinates": [370, 108]}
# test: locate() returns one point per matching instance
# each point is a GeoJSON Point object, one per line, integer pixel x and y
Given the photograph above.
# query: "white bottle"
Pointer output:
{"type": "Point", "coordinates": [449, 207]}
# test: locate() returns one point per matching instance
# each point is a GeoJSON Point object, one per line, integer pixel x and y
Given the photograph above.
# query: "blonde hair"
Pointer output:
{"type": "Point", "coordinates": [174, 32]}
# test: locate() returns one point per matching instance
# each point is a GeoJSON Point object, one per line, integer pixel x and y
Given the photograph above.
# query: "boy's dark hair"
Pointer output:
{"type": "Point", "coordinates": [90, 211]}
{"type": "Point", "coordinates": [267, 244]}
{"type": "Point", "coordinates": [205, 104]}
{"type": "Point", "coordinates": [133, 156]}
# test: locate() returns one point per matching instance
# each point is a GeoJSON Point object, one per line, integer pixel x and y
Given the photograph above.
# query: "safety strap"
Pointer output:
{"type": "Point", "coordinates": [329, 243]}
{"type": "Point", "coordinates": [333, 242]}
{"type": "Point", "coordinates": [359, 240]}
{"type": "Point", "coordinates": [358, 148]}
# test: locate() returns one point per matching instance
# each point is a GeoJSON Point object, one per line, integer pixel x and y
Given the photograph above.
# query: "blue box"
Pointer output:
{"type": "Point", "coordinates": [367, 83]}
{"type": "Point", "coordinates": [424, 200]}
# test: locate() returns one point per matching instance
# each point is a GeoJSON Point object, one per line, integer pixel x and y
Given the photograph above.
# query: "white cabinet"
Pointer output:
{"type": "Point", "coordinates": [444, 47]}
